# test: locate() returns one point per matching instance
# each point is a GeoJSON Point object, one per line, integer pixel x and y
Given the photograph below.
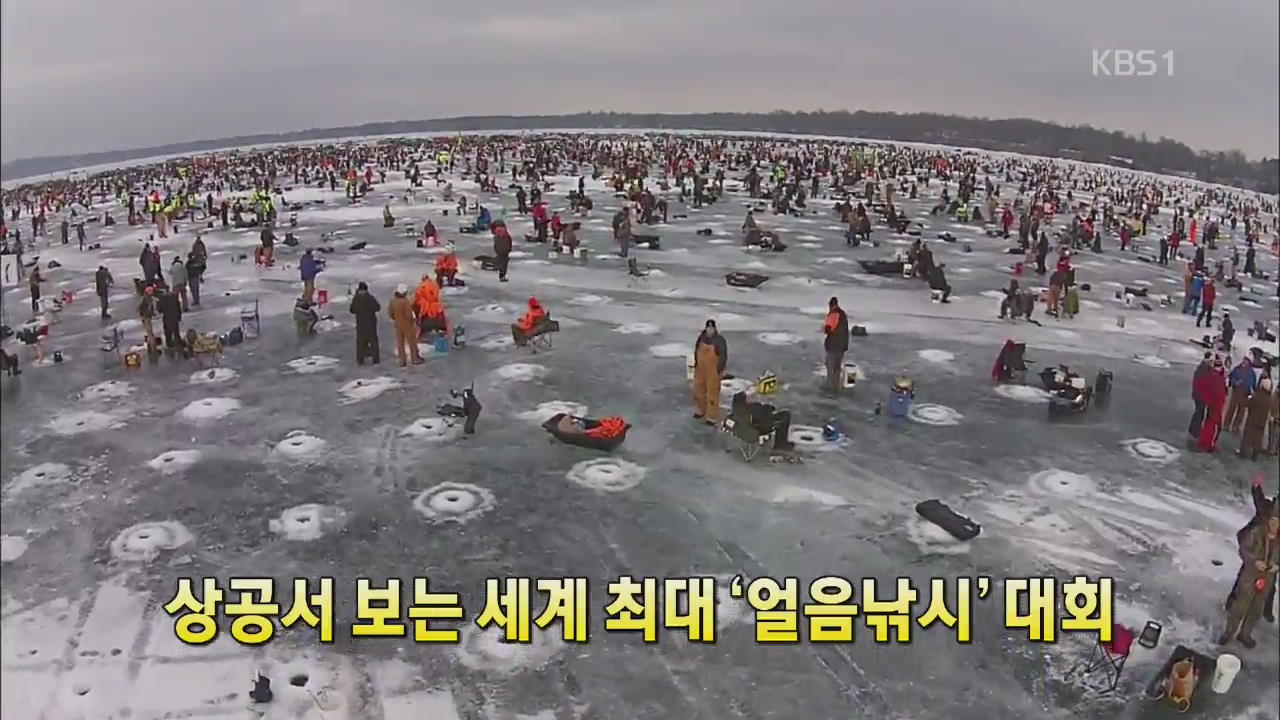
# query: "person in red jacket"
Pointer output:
{"type": "Point", "coordinates": [1212, 391]}
{"type": "Point", "coordinates": [1208, 294]}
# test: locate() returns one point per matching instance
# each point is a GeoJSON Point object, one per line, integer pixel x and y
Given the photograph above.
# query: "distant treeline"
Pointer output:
{"type": "Point", "coordinates": [1015, 135]}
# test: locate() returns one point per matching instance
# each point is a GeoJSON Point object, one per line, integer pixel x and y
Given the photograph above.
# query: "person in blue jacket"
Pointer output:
{"type": "Point", "coordinates": [309, 267]}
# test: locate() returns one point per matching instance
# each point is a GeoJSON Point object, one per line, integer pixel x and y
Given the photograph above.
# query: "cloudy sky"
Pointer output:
{"type": "Point", "coordinates": [79, 76]}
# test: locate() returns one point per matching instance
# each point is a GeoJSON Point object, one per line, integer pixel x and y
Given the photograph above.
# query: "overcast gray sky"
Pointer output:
{"type": "Point", "coordinates": [81, 76]}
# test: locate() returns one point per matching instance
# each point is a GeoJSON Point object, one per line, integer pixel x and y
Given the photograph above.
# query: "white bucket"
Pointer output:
{"type": "Point", "coordinates": [688, 367]}
{"type": "Point", "coordinates": [850, 375]}
{"type": "Point", "coordinates": [1225, 673]}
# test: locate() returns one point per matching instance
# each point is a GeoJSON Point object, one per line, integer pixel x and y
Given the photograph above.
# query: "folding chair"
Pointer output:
{"type": "Point", "coordinates": [1111, 655]}
{"type": "Point", "coordinates": [745, 437]}
{"type": "Point", "coordinates": [110, 346]}
{"type": "Point", "coordinates": [540, 338]}
{"type": "Point", "coordinates": [251, 320]}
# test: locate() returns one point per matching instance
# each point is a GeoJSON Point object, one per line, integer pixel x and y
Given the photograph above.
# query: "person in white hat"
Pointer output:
{"type": "Point", "coordinates": [400, 310]}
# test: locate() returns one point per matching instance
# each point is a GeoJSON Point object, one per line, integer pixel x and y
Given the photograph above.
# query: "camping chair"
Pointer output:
{"type": "Point", "coordinates": [540, 337]}
{"type": "Point", "coordinates": [110, 345]}
{"type": "Point", "coordinates": [1017, 363]}
{"type": "Point", "coordinates": [745, 437]}
{"type": "Point", "coordinates": [251, 320]}
{"type": "Point", "coordinates": [1111, 655]}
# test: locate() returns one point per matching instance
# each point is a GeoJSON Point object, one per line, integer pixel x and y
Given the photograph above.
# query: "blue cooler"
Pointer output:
{"type": "Point", "coordinates": [441, 344]}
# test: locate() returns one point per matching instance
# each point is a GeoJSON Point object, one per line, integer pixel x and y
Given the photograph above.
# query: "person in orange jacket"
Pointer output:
{"type": "Point", "coordinates": [428, 309]}
{"type": "Point", "coordinates": [447, 267]}
{"type": "Point", "coordinates": [523, 327]}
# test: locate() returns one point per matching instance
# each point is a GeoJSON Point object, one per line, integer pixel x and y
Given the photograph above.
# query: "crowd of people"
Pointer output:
{"type": "Point", "coordinates": [1037, 208]}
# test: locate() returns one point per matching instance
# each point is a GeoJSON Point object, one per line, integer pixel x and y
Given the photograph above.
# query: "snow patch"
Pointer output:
{"type": "Point", "coordinates": [794, 494]}
{"type": "Point", "coordinates": [935, 355]}
{"type": "Point", "coordinates": [496, 342]}
{"type": "Point", "coordinates": [1151, 361]}
{"type": "Point", "coordinates": [520, 372]}
{"type": "Point", "coordinates": [208, 409]}
{"type": "Point", "coordinates": [931, 539]}
{"type": "Point", "coordinates": [1024, 393]}
{"type": "Point", "coordinates": [488, 650]}
{"type": "Point", "coordinates": [143, 542]}
{"type": "Point", "coordinates": [312, 364]}
{"type": "Point", "coordinates": [671, 350]}
{"type": "Point", "coordinates": [300, 446]}
{"type": "Point", "coordinates": [545, 411]}
{"type": "Point", "coordinates": [49, 473]}
{"type": "Point", "coordinates": [12, 547]}
{"type": "Point", "coordinates": [431, 429]}
{"type": "Point", "coordinates": [606, 474]}
{"type": "Point", "coordinates": [492, 313]}
{"type": "Point", "coordinates": [589, 299]}
{"type": "Point", "coordinates": [82, 422]}
{"type": "Point", "coordinates": [453, 502]}
{"type": "Point", "coordinates": [213, 376]}
{"type": "Point", "coordinates": [931, 414]}
{"type": "Point", "coordinates": [1061, 483]}
{"type": "Point", "coordinates": [107, 390]}
{"type": "Point", "coordinates": [779, 338]}
{"type": "Point", "coordinates": [174, 461]}
{"type": "Point", "coordinates": [304, 523]}
{"type": "Point", "coordinates": [366, 389]}
{"type": "Point", "coordinates": [639, 328]}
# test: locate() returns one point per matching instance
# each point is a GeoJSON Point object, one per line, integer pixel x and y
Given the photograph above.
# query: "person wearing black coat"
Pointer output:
{"type": "Point", "coordinates": [195, 275]}
{"type": "Point", "coordinates": [938, 282]}
{"type": "Point", "coordinates": [150, 262]}
{"type": "Point", "coordinates": [366, 308]}
{"type": "Point", "coordinates": [170, 309]}
{"type": "Point", "coordinates": [102, 282]}
{"type": "Point", "coordinates": [836, 343]}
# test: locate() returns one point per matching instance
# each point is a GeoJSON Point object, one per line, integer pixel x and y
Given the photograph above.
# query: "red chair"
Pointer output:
{"type": "Point", "coordinates": [1112, 655]}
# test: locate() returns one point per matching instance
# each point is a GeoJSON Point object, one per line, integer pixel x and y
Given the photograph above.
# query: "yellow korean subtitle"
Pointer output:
{"type": "Point", "coordinates": [377, 610]}
{"type": "Point", "coordinates": [832, 611]}
{"type": "Point", "coordinates": [566, 603]}
{"type": "Point", "coordinates": [1087, 605]}
{"type": "Point", "coordinates": [428, 606]}
{"type": "Point", "coordinates": [198, 625]}
{"type": "Point", "coordinates": [253, 610]}
{"type": "Point", "coordinates": [961, 619]}
{"type": "Point", "coordinates": [690, 604]}
{"type": "Point", "coordinates": [1038, 619]}
{"type": "Point", "coordinates": [506, 604]}
{"type": "Point", "coordinates": [315, 610]}
{"type": "Point", "coordinates": [775, 605]}
{"type": "Point", "coordinates": [634, 607]}
{"type": "Point", "coordinates": [885, 615]}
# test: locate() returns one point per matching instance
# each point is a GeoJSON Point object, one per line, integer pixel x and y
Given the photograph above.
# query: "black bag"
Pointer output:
{"type": "Point", "coordinates": [235, 337]}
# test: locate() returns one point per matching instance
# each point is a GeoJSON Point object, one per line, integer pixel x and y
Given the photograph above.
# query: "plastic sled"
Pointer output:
{"type": "Point", "coordinates": [882, 267]}
{"type": "Point", "coordinates": [580, 438]}
{"type": "Point", "coordinates": [745, 279]}
{"type": "Point", "coordinates": [959, 526]}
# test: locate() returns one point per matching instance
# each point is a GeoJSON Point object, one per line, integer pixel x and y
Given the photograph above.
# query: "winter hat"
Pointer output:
{"type": "Point", "coordinates": [710, 324]}
{"type": "Point", "coordinates": [362, 285]}
{"type": "Point", "coordinates": [533, 302]}
{"type": "Point", "coordinates": [401, 289]}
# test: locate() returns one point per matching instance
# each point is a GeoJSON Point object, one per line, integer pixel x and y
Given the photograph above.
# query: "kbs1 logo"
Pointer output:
{"type": "Point", "coordinates": [1131, 63]}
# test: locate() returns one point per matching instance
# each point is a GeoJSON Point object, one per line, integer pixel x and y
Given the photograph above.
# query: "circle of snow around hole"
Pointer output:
{"type": "Point", "coordinates": [174, 461]}
{"type": "Point", "coordinates": [931, 414]}
{"type": "Point", "coordinates": [545, 411]}
{"type": "Point", "coordinates": [210, 408]}
{"type": "Point", "coordinates": [1150, 450]}
{"type": "Point", "coordinates": [143, 542]}
{"type": "Point", "coordinates": [520, 372]}
{"type": "Point", "coordinates": [1062, 483]}
{"type": "Point", "coordinates": [213, 376]}
{"type": "Point", "coordinates": [453, 502]}
{"type": "Point", "coordinates": [82, 422]}
{"type": "Point", "coordinates": [305, 523]}
{"type": "Point", "coordinates": [431, 429]}
{"type": "Point", "coordinates": [12, 547]}
{"type": "Point", "coordinates": [298, 445]}
{"type": "Point", "coordinates": [312, 364]}
{"type": "Point", "coordinates": [487, 650]}
{"type": "Point", "coordinates": [779, 338]}
{"type": "Point", "coordinates": [606, 474]}
{"type": "Point", "coordinates": [639, 328]}
{"type": "Point", "coordinates": [107, 390]}
{"type": "Point", "coordinates": [1151, 361]}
